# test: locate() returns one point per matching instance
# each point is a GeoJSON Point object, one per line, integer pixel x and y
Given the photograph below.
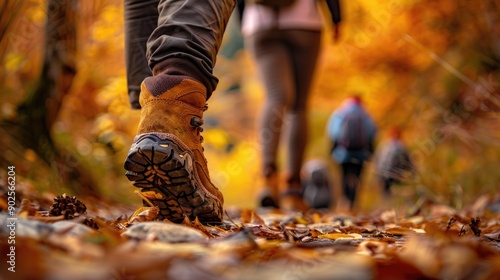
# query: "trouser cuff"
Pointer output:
{"type": "Point", "coordinates": [182, 67]}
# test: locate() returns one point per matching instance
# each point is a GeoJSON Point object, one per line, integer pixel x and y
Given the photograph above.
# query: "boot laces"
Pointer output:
{"type": "Point", "coordinates": [197, 122]}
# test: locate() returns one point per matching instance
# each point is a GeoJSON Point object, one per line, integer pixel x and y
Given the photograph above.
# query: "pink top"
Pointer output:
{"type": "Point", "coordinates": [303, 14]}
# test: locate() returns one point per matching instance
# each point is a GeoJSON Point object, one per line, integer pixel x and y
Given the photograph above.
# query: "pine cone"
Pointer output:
{"type": "Point", "coordinates": [90, 223]}
{"type": "Point", "coordinates": [67, 206]}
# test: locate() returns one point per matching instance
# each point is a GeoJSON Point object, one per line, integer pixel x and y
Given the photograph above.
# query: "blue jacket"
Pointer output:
{"type": "Point", "coordinates": [339, 153]}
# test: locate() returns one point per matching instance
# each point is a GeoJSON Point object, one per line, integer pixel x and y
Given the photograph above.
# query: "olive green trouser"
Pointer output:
{"type": "Point", "coordinates": [174, 37]}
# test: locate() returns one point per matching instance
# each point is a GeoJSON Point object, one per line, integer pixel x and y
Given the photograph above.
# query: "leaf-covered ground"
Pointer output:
{"type": "Point", "coordinates": [68, 237]}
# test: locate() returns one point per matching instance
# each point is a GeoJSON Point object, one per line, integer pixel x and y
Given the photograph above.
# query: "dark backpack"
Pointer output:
{"type": "Point", "coordinates": [353, 135]}
{"type": "Point", "coordinates": [274, 3]}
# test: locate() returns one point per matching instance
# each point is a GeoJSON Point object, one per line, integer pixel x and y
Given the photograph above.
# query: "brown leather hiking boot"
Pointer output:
{"type": "Point", "coordinates": [269, 197]}
{"type": "Point", "coordinates": [166, 160]}
{"type": "Point", "coordinates": [293, 198]}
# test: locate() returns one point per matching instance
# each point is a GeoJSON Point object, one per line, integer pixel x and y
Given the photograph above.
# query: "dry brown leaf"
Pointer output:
{"type": "Point", "coordinates": [143, 214]}
{"type": "Point", "coordinates": [388, 239]}
{"type": "Point", "coordinates": [458, 261]}
{"type": "Point", "coordinates": [397, 269]}
{"type": "Point", "coordinates": [493, 236]}
{"type": "Point", "coordinates": [3, 203]}
{"type": "Point", "coordinates": [422, 252]}
{"type": "Point", "coordinates": [296, 233]}
{"type": "Point", "coordinates": [111, 230]}
{"type": "Point", "coordinates": [27, 208]}
{"type": "Point", "coordinates": [216, 230]}
{"type": "Point", "coordinates": [315, 233]}
{"type": "Point", "coordinates": [196, 224]}
{"type": "Point", "coordinates": [492, 226]}
{"type": "Point", "coordinates": [399, 231]}
{"type": "Point", "coordinates": [335, 236]}
{"type": "Point", "coordinates": [265, 232]}
{"type": "Point", "coordinates": [372, 247]}
{"type": "Point", "coordinates": [441, 210]}
{"type": "Point", "coordinates": [249, 216]}
{"type": "Point", "coordinates": [356, 229]}
{"type": "Point", "coordinates": [388, 216]}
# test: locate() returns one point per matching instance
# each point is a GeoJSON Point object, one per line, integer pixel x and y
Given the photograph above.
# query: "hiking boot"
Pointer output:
{"type": "Point", "coordinates": [269, 197]}
{"type": "Point", "coordinates": [293, 198]}
{"type": "Point", "coordinates": [166, 160]}
{"type": "Point", "coordinates": [292, 201]}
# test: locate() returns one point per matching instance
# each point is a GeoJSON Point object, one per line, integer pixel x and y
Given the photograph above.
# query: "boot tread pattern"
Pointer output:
{"type": "Point", "coordinates": [166, 176]}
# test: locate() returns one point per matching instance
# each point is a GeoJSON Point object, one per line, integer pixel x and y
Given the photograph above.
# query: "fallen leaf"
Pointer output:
{"type": "Point", "coordinates": [196, 224]}
{"type": "Point", "coordinates": [335, 236]}
{"type": "Point", "coordinates": [493, 236]}
{"type": "Point", "coordinates": [265, 232]}
{"type": "Point", "coordinates": [27, 208]}
{"type": "Point", "coordinates": [143, 214]}
{"type": "Point", "coordinates": [399, 231]}
{"type": "Point", "coordinates": [372, 247]}
{"type": "Point", "coordinates": [250, 217]}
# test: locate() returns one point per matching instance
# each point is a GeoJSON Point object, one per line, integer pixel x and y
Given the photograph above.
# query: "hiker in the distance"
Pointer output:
{"type": "Point", "coordinates": [352, 133]}
{"type": "Point", "coordinates": [393, 162]}
{"type": "Point", "coordinates": [284, 38]}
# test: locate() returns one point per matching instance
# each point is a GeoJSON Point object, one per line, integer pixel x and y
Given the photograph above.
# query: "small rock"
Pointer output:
{"type": "Point", "coordinates": [72, 228]}
{"type": "Point", "coordinates": [24, 227]}
{"type": "Point", "coordinates": [164, 232]}
{"type": "Point", "coordinates": [494, 206]}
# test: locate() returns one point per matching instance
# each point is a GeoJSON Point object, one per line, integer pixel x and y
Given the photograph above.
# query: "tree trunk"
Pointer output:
{"type": "Point", "coordinates": [39, 110]}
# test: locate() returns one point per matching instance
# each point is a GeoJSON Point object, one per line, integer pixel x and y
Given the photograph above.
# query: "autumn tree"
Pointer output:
{"type": "Point", "coordinates": [39, 110]}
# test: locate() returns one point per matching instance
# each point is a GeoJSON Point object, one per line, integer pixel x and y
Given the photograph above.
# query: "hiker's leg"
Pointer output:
{"type": "Point", "coordinates": [268, 50]}
{"type": "Point", "coordinates": [346, 178]}
{"type": "Point", "coordinates": [304, 49]}
{"type": "Point", "coordinates": [387, 186]}
{"type": "Point", "coordinates": [356, 170]}
{"type": "Point", "coordinates": [166, 160]}
{"type": "Point", "coordinates": [141, 18]}
{"type": "Point", "coordinates": [188, 38]}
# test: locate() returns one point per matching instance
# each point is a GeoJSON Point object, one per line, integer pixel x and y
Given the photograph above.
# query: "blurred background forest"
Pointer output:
{"type": "Point", "coordinates": [430, 67]}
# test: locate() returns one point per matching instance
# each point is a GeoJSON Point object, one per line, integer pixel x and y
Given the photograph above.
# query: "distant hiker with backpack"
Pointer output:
{"type": "Point", "coordinates": [393, 161]}
{"type": "Point", "coordinates": [352, 132]}
{"type": "Point", "coordinates": [284, 38]}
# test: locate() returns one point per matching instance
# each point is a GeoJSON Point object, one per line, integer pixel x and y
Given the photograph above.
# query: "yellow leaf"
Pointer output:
{"type": "Point", "coordinates": [316, 218]}
{"type": "Point", "coordinates": [301, 221]}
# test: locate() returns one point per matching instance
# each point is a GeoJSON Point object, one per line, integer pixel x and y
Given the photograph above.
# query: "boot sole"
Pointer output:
{"type": "Point", "coordinates": [165, 174]}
